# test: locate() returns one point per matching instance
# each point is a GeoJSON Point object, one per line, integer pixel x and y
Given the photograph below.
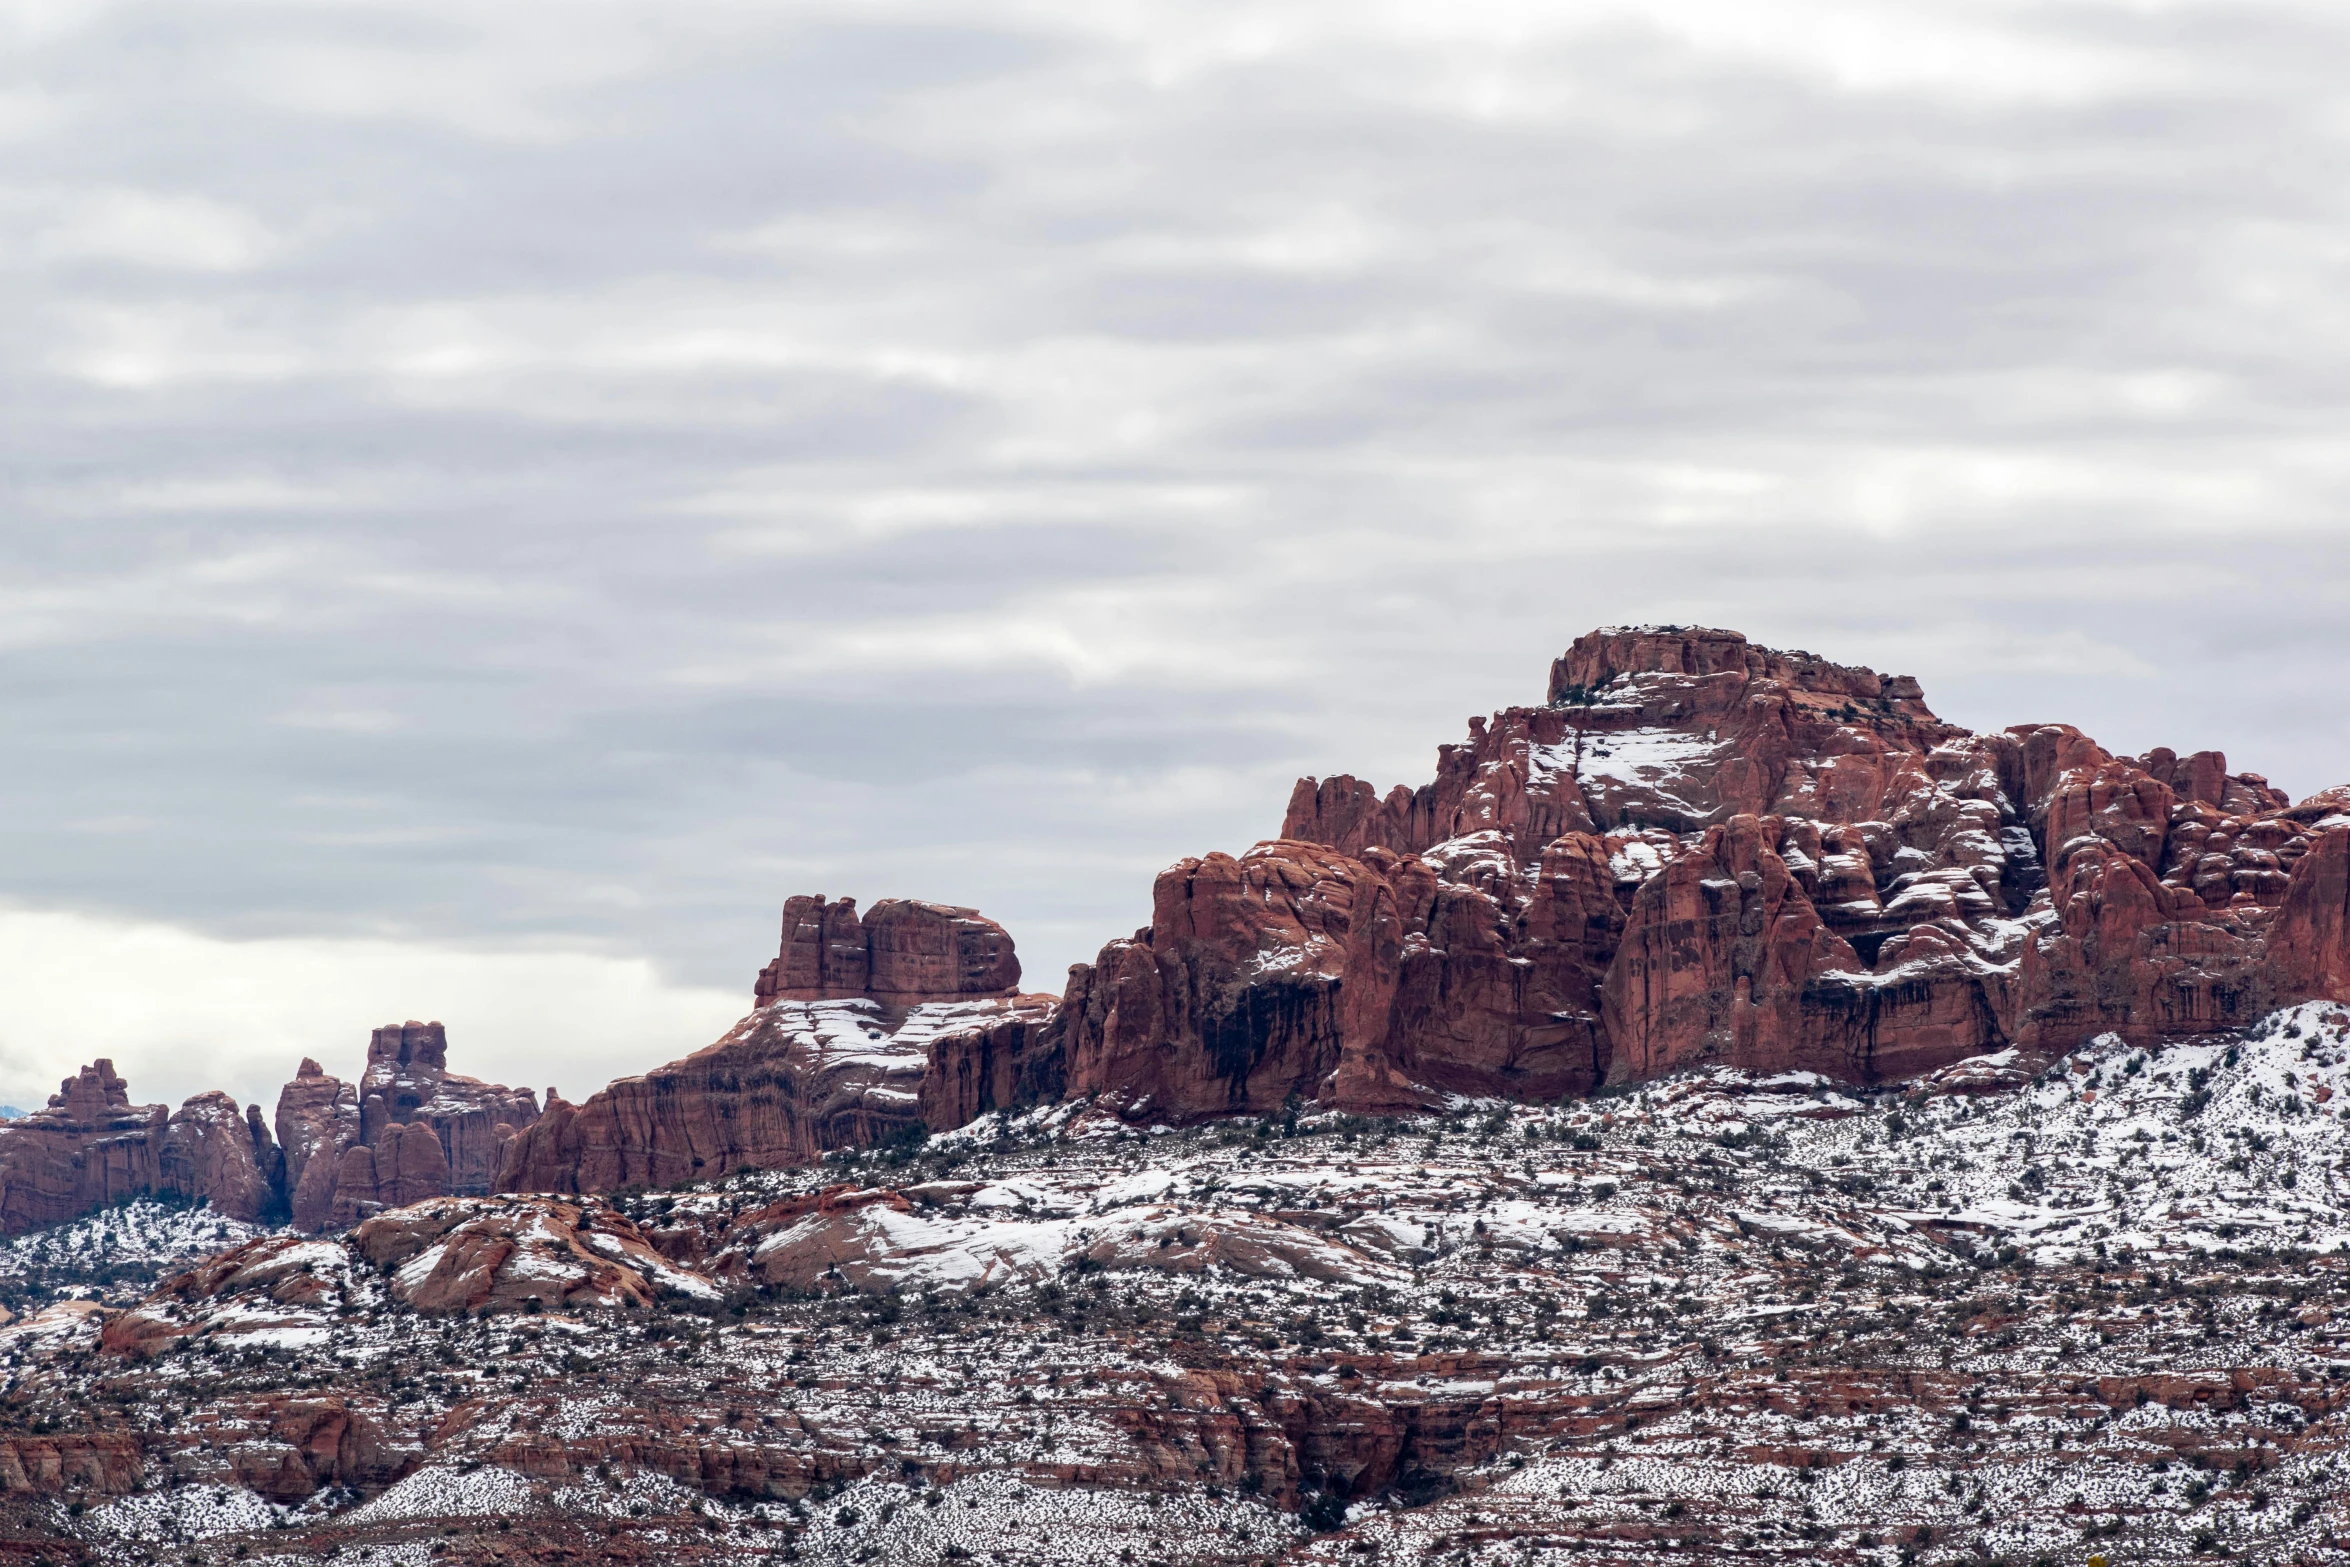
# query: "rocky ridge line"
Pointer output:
{"type": "Point", "coordinates": [409, 1129]}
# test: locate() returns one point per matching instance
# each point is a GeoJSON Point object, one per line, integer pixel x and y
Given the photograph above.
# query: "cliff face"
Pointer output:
{"type": "Point", "coordinates": [409, 1129]}
{"type": "Point", "coordinates": [90, 1147]}
{"type": "Point", "coordinates": [862, 1028]}
{"type": "Point", "coordinates": [1697, 850]}
{"type": "Point", "coordinates": [902, 953]}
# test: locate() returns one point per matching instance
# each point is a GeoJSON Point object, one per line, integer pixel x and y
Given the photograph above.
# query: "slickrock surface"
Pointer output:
{"type": "Point", "coordinates": [864, 1030]}
{"type": "Point", "coordinates": [1727, 1316]}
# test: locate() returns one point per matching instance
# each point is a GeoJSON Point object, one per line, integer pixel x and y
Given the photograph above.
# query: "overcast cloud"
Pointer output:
{"type": "Point", "coordinates": [495, 497]}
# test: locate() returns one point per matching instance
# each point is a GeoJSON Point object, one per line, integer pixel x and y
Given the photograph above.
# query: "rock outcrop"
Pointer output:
{"type": "Point", "coordinates": [213, 1151]}
{"type": "Point", "coordinates": [90, 1146]}
{"type": "Point", "coordinates": [409, 1129]}
{"type": "Point", "coordinates": [1693, 852]}
{"type": "Point", "coordinates": [819, 1063]}
{"type": "Point", "coordinates": [478, 1254]}
{"type": "Point", "coordinates": [1697, 850]}
{"type": "Point", "coordinates": [902, 953]}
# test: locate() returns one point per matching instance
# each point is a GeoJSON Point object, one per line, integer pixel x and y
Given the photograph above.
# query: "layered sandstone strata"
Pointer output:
{"type": "Point", "coordinates": [860, 1027]}
{"type": "Point", "coordinates": [900, 953]}
{"type": "Point", "coordinates": [1693, 851]}
{"type": "Point", "coordinates": [90, 1147]}
{"type": "Point", "coordinates": [408, 1129]}
{"type": "Point", "coordinates": [1697, 850]}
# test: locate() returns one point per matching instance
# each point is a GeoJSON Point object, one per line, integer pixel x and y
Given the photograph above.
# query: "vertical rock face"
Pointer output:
{"type": "Point", "coordinates": [214, 1151]}
{"type": "Point", "coordinates": [2311, 936]}
{"type": "Point", "coordinates": [90, 1147]}
{"type": "Point", "coordinates": [903, 953]}
{"type": "Point", "coordinates": [317, 1118]}
{"type": "Point", "coordinates": [353, 1149]}
{"type": "Point", "coordinates": [1698, 850]}
{"type": "Point", "coordinates": [838, 1050]}
{"type": "Point", "coordinates": [408, 1081]}
{"type": "Point", "coordinates": [1260, 979]}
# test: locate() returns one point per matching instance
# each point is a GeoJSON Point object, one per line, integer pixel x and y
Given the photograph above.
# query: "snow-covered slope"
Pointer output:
{"type": "Point", "coordinates": [1719, 1317]}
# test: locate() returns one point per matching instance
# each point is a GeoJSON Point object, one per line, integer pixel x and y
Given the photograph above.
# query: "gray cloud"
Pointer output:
{"type": "Point", "coordinates": [520, 477]}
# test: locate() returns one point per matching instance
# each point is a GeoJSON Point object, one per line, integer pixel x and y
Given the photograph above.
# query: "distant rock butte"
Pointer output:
{"type": "Point", "coordinates": [90, 1147]}
{"type": "Point", "coordinates": [901, 953]}
{"type": "Point", "coordinates": [862, 1029]}
{"type": "Point", "coordinates": [409, 1129]}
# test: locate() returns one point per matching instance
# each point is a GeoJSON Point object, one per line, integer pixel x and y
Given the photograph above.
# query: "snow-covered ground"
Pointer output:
{"type": "Point", "coordinates": [115, 1254]}
{"type": "Point", "coordinates": [1726, 1315]}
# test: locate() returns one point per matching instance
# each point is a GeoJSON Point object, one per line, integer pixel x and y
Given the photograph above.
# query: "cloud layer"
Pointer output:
{"type": "Point", "coordinates": [492, 481]}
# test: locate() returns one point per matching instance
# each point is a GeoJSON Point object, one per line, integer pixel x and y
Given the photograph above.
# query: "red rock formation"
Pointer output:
{"type": "Point", "coordinates": [317, 1118]}
{"type": "Point", "coordinates": [816, 1065]}
{"type": "Point", "coordinates": [90, 1146]}
{"type": "Point", "coordinates": [2310, 938]}
{"type": "Point", "coordinates": [474, 1254]}
{"type": "Point", "coordinates": [998, 1058]}
{"type": "Point", "coordinates": [351, 1150]}
{"type": "Point", "coordinates": [213, 1151]}
{"type": "Point", "coordinates": [92, 1463]}
{"type": "Point", "coordinates": [1695, 851]}
{"type": "Point", "coordinates": [408, 1081]}
{"type": "Point", "coordinates": [1699, 850]}
{"type": "Point", "coordinates": [1261, 978]}
{"type": "Point", "coordinates": [902, 953]}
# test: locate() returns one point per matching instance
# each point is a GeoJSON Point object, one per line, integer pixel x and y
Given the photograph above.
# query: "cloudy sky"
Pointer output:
{"type": "Point", "coordinates": [495, 497]}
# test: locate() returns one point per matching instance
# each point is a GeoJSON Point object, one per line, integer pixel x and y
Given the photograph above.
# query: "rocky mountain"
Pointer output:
{"type": "Point", "coordinates": [409, 1129]}
{"type": "Point", "coordinates": [1728, 1114]}
{"type": "Point", "coordinates": [1694, 852]}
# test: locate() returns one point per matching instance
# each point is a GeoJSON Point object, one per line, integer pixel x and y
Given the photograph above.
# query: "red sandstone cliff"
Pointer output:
{"type": "Point", "coordinates": [409, 1129]}
{"type": "Point", "coordinates": [854, 1021]}
{"type": "Point", "coordinates": [1698, 850]}
{"type": "Point", "coordinates": [90, 1146]}
{"type": "Point", "coordinates": [901, 953]}
{"type": "Point", "coordinates": [1695, 851]}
